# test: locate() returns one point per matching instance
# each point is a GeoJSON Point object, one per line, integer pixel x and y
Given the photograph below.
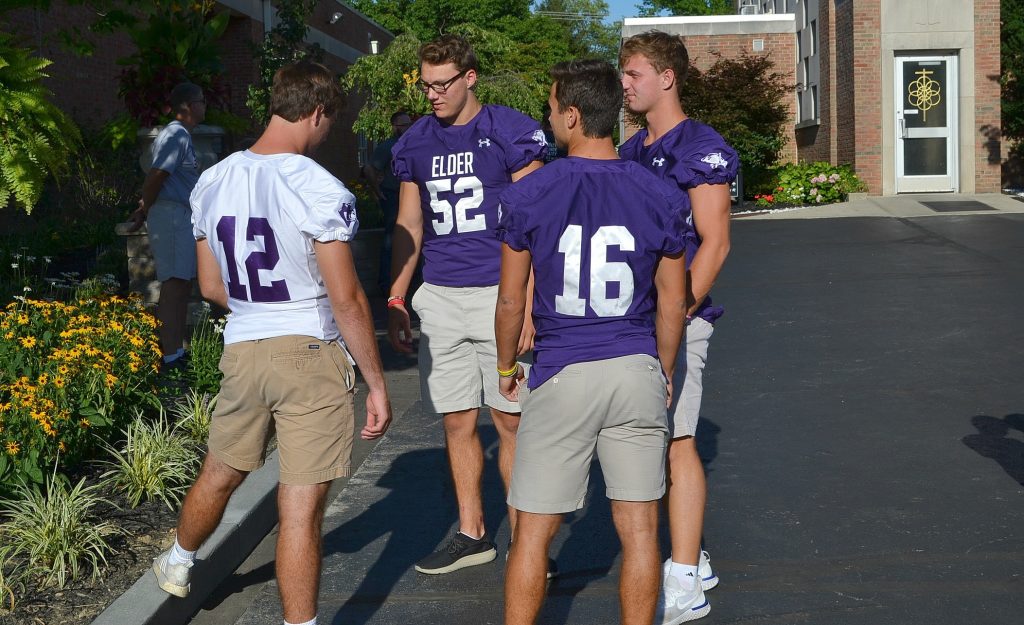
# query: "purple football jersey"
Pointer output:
{"type": "Point", "coordinates": [595, 230]}
{"type": "Point", "coordinates": [461, 171]}
{"type": "Point", "coordinates": [689, 155]}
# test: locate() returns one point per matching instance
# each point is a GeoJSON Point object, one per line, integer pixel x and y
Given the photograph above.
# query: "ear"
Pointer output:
{"type": "Point", "coordinates": [572, 117]}
{"type": "Point", "coordinates": [668, 79]}
{"type": "Point", "coordinates": [318, 114]}
{"type": "Point", "coordinates": [471, 78]}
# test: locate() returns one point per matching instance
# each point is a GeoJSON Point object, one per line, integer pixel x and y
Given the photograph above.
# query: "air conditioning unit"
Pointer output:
{"type": "Point", "coordinates": [750, 7]}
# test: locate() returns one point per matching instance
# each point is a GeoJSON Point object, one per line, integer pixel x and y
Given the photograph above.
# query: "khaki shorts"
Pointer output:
{"type": "Point", "coordinates": [458, 356]}
{"type": "Point", "coordinates": [298, 386]}
{"type": "Point", "coordinates": [615, 407]}
{"type": "Point", "coordinates": [171, 241]}
{"type": "Point", "coordinates": [688, 379]}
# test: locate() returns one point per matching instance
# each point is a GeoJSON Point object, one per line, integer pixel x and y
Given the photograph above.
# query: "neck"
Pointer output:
{"type": "Point", "coordinates": [282, 137]}
{"type": "Point", "coordinates": [467, 113]}
{"type": "Point", "coordinates": [664, 117]}
{"type": "Point", "coordinates": [591, 147]}
{"type": "Point", "coordinates": [186, 120]}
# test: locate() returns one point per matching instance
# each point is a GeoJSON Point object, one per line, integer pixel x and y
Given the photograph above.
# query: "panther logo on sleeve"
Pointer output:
{"type": "Point", "coordinates": [715, 160]}
{"type": "Point", "coordinates": [346, 212]}
{"type": "Point", "coordinates": [539, 137]}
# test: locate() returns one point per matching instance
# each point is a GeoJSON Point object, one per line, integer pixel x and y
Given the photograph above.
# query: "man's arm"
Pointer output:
{"type": "Point", "coordinates": [211, 284]}
{"type": "Point", "coordinates": [528, 333]}
{"type": "Point", "coordinates": [711, 205]}
{"type": "Point", "coordinates": [373, 180]}
{"type": "Point", "coordinates": [670, 318]}
{"type": "Point", "coordinates": [510, 314]}
{"type": "Point", "coordinates": [408, 238]}
{"type": "Point", "coordinates": [150, 189]}
{"type": "Point", "coordinates": [352, 314]}
{"type": "Point", "coordinates": [531, 167]}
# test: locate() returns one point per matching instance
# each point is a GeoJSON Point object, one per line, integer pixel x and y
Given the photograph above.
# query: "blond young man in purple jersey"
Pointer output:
{"type": "Point", "coordinates": [694, 158]}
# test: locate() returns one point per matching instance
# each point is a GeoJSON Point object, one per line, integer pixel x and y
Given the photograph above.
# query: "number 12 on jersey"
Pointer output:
{"type": "Point", "coordinates": [601, 272]}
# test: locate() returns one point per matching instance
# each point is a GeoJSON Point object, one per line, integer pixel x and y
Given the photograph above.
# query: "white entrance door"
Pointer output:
{"type": "Point", "coordinates": [926, 98]}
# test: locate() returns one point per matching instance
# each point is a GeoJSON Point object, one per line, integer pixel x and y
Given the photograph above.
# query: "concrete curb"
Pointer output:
{"type": "Point", "coordinates": [249, 517]}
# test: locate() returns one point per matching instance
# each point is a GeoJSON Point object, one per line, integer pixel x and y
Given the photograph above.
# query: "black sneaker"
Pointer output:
{"type": "Point", "coordinates": [552, 565]}
{"type": "Point", "coordinates": [460, 552]}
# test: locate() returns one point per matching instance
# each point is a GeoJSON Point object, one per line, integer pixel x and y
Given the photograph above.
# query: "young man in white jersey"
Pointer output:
{"type": "Point", "coordinates": [272, 230]}
{"type": "Point", "coordinates": [695, 158]}
{"type": "Point", "coordinates": [452, 166]}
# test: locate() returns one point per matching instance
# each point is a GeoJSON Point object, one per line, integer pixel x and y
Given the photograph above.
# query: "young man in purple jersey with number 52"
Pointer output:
{"type": "Point", "coordinates": [695, 158]}
{"type": "Point", "coordinates": [452, 166]}
{"type": "Point", "coordinates": [604, 239]}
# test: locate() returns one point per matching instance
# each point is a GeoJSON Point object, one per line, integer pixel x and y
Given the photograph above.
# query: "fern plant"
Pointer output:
{"type": "Point", "coordinates": [36, 138]}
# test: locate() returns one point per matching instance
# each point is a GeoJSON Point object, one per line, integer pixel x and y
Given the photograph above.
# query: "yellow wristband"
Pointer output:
{"type": "Point", "coordinates": [508, 374]}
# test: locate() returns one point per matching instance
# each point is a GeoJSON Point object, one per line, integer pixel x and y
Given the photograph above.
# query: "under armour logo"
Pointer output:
{"type": "Point", "coordinates": [484, 142]}
{"type": "Point", "coordinates": [715, 160]}
{"type": "Point", "coordinates": [538, 136]}
{"type": "Point", "coordinates": [346, 211]}
{"type": "Point", "coordinates": [658, 162]}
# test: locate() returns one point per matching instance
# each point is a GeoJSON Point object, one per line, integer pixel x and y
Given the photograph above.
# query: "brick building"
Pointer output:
{"type": "Point", "coordinates": [907, 92]}
{"type": "Point", "coordinates": [86, 87]}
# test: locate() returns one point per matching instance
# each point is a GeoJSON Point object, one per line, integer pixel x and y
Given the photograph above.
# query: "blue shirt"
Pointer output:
{"type": "Point", "coordinates": [173, 153]}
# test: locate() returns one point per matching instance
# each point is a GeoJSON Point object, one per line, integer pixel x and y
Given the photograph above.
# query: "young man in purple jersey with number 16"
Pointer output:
{"type": "Point", "coordinates": [605, 241]}
{"type": "Point", "coordinates": [272, 229]}
{"type": "Point", "coordinates": [693, 157]}
{"type": "Point", "coordinates": [452, 166]}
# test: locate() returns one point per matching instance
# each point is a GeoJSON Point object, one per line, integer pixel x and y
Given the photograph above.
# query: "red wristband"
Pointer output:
{"type": "Point", "coordinates": [396, 300]}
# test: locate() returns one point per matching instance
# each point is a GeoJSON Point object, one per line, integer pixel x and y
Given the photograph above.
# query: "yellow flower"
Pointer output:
{"type": "Point", "coordinates": [133, 366]}
{"type": "Point", "coordinates": [84, 423]}
{"type": "Point", "coordinates": [58, 382]}
{"type": "Point", "coordinates": [116, 326]}
{"type": "Point", "coordinates": [28, 342]}
{"type": "Point", "coordinates": [13, 448]}
{"type": "Point", "coordinates": [111, 380]}
{"type": "Point", "coordinates": [22, 319]}
{"type": "Point", "coordinates": [9, 335]}
{"type": "Point", "coordinates": [63, 369]}
{"type": "Point", "coordinates": [43, 379]}
{"type": "Point", "coordinates": [62, 447]}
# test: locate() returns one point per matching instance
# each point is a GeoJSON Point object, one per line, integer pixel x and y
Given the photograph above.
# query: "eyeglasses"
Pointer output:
{"type": "Point", "coordinates": [440, 88]}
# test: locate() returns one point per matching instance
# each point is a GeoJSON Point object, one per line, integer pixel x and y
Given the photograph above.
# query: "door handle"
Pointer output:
{"type": "Point", "coordinates": [903, 125]}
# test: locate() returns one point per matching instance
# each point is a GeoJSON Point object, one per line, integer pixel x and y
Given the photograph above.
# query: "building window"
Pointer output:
{"type": "Point", "coordinates": [814, 102]}
{"type": "Point", "coordinates": [814, 38]}
{"type": "Point", "coordinates": [759, 45]}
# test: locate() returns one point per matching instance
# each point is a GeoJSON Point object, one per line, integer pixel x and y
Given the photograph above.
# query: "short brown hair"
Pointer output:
{"type": "Point", "coordinates": [184, 94]}
{"type": "Point", "coordinates": [663, 50]}
{"type": "Point", "coordinates": [449, 49]}
{"type": "Point", "coordinates": [593, 87]}
{"type": "Point", "coordinates": [301, 87]}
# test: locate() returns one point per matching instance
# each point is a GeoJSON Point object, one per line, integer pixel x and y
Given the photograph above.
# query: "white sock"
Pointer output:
{"type": "Point", "coordinates": [313, 622]}
{"type": "Point", "coordinates": [179, 555]}
{"type": "Point", "coordinates": [461, 532]}
{"type": "Point", "coordinates": [686, 574]}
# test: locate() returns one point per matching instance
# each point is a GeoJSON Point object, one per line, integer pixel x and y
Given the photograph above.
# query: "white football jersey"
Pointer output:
{"type": "Point", "coordinates": [260, 215]}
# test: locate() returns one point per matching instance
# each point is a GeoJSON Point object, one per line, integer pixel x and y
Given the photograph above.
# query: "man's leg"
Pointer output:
{"type": "Point", "coordinates": [526, 571]}
{"type": "Point", "coordinates": [172, 309]}
{"type": "Point", "coordinates": [205, 502]}
{"type": "Point", "coordinates": [506, 423]}
{"type": "Point", "coordinates": [637, 525]}
{"type": "Point", "coordinates": [687, 492]}
{"type": "Point", "coordinates": [466, 457]}
{"type": "Point", "coordinates": [301, 511]}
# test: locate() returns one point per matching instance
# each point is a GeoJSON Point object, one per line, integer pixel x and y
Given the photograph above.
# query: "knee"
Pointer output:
{"type": "Point", "coordinates": [683, 450]}
{"type": "Point", "coordinates": [460, 424]}
{"type": "Point", "coordinates": [507, 424]}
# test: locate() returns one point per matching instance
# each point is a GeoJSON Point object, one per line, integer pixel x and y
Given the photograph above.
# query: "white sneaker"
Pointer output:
{"type": "Point", "coordinates": [173, 578]}
{"type": "Point", "coordinates": [676, 605]}
{"type": "Point", "coordinates": [708, 579]}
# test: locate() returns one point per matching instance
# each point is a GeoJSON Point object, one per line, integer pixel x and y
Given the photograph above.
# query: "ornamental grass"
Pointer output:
{"type": "Point", "coordinates": [71, 374]}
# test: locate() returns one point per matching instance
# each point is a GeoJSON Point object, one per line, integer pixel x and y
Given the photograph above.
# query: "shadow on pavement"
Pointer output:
{"type": "Point", "coordinates": [993, 441]}
{"type": "Point", "coordinates": [412, 520]}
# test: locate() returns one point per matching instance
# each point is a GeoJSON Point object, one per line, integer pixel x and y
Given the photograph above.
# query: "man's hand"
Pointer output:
{"type": "Point", "coordinates": [526, 336]}
{"type": "Point", "coordinates": [400, 329]}
{"type": "Point", "coordinates": [378, 415]}
{"type": "Point", "coordinates": [137, 218]}
{"type": "Point", "coordinates": [509, 386]}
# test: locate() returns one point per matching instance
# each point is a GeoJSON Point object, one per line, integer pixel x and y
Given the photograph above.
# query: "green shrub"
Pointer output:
{"type": "Point", "coordinates": [205, 350]}
{"type": "Point", "coordinates": [53, 534]}
{"type": "Point", "coordinates": [36, 138]}
{"type": "Point", "coordinates": [154, 462]}
{"type": "Point", "coordinates": [192, 413]}
{"type": "Point", "coordinates": [815, 183]}
{"type": "Point", "coordinates": [70, 374]}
